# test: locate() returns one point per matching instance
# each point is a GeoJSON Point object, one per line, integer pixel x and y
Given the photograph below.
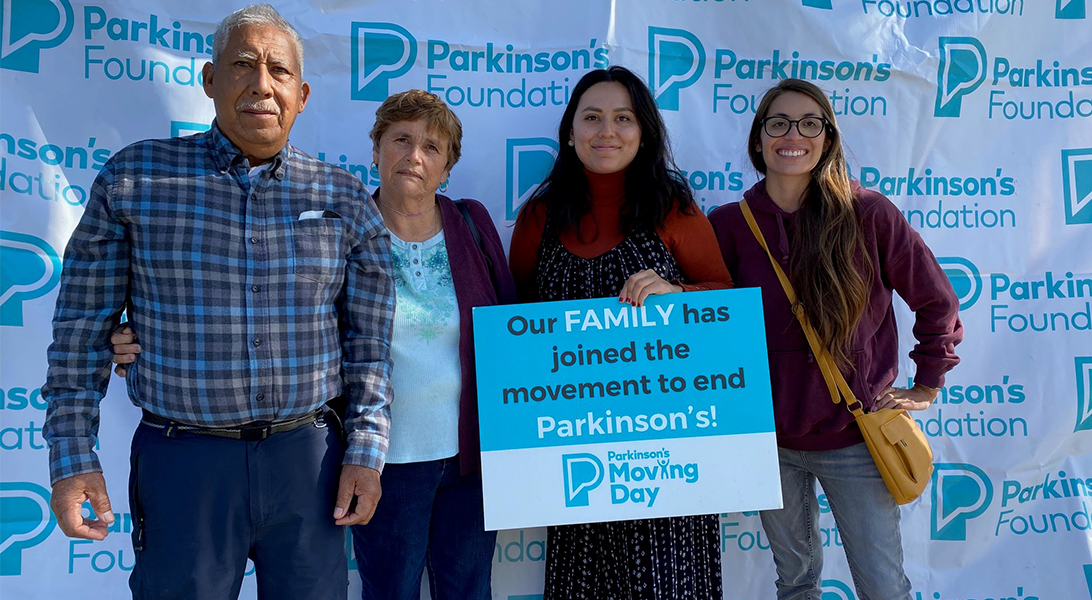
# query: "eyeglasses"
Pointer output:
{"type": "Point", "coordinates": [808, 127]}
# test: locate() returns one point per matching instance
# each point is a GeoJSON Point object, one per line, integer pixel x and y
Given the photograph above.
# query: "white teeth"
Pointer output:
{"type": "Point", "coordinates": [792, 152]}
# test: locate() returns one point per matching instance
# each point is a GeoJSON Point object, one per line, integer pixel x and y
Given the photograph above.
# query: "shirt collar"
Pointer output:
{"type": "Point", "coordinates": [227, 156]}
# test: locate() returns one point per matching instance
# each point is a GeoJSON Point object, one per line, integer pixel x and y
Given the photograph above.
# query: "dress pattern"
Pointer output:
{"type": "Point", "coordinates": [643, 559]}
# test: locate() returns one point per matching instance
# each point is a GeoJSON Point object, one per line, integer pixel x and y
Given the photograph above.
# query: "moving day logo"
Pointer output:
{"type": "Point", "coordinates": [1077, 185]}
{"type": "Point", "coordinates": [29, 269]}
{"type": "Point", "coordinates": [25, 522]}
{"type": "Point", "coordinates": [962, 69]}
{"type": "Point", "coordinates": [583, 473]}
{"type": "Point", "coordinates": [965, 278]}
{"type": "Point", "coordinates": [676, 59]}
{"type": "Point", "coordinates": [29, 26]}
{"type": "Point", "coordinates": [1083, 366]}
{"type": "Point", "coordinates": [380, 52]}
{"type": "Point", "coordinates": [960, 493]}
{"type": "Point", "coordinates": [527, 163]}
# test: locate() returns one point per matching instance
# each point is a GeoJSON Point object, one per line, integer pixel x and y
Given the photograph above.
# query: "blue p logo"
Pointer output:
{"type": "Point", "coordinates": [960, 493]}
{"type": "Point", "coordinates": [1077, 185]}
{"type": "Point", "coordinates": [583, 473]}
{"type": "Point", "coordinates": [836, 590]}
{"type": "Point", "coordinates": [181, 128]}
{"type": "Point", "coordinates": [381, 52]}
{"type": "Point", "coordinates": [964, 277]}
{"type": "Point", "coordinates": [1083, 366]}
{"type": "Point", "coordinates": [962, 69]}
{"type": "Point", "coordinates": [1070, 9]}
{"type": "Point", "coordinates": [25, 521]}
{"type": "Point", "coordinates": [29, 26]}
{"type": "Point", "coordinates": [30, 268]}
{"type": "Point", "coordinates": [676, 59]}
{"type": "Point", "coordinates": [528, 162]}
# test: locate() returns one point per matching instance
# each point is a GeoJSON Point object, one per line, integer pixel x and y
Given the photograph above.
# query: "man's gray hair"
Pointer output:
{"type": "Point", "coordinates": [260, 15]}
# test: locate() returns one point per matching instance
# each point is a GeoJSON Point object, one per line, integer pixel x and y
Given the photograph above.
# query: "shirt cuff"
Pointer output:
{"type": "Point", "coordinates": [933, 378]}
{"type": "Point", "coordinates": [366, 450]}
{"type": "Point", "coordinates": [69, 457]}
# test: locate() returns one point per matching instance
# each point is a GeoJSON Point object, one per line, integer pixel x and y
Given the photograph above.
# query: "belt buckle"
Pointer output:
{"type": "Point", "coordinates": [254, 434]}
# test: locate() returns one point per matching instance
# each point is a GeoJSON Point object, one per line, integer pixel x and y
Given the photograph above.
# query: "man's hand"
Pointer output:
{"type": "Point", "coordinates": [67, 500]}
{"type": "Point", "coordinates": [361, 484]}
{"type": "Point", "coordinates": [918, 397]}
{"type": "Point", "coordinates": [125, 348]}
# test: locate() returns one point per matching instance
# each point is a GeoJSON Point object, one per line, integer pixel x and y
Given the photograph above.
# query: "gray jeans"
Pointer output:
{"type": "Point", "coordinates": [867, 518]}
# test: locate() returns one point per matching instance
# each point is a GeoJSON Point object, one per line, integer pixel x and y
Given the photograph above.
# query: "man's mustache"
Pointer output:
{"type": "Point", "coordinates": [264, 106]}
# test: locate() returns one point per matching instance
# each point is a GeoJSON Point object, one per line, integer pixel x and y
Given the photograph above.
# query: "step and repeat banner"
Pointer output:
{"type": "Point", "coordinates": [973, 116]}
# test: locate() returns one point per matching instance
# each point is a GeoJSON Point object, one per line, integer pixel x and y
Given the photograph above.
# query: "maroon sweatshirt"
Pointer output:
{"type": "Point", "coordinates": [805, 416]}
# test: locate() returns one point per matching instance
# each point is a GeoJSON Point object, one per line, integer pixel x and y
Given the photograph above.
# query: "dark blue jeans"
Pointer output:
{"type": "Point", "coordinates": [202, 505]}
{"type": "Point", "coordinates": [430, 517]}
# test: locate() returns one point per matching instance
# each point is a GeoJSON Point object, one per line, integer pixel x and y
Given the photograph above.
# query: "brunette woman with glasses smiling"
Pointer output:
{"type": "Point", "coordinates": [845, 250]}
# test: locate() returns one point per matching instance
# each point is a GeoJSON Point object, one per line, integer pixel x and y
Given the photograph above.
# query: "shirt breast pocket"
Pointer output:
{"type": "Point", "coordinates": [317, 249]}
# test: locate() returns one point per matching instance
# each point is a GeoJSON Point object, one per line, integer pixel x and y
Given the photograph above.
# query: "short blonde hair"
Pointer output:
{"type": "Point", "coordinates": [417, 105]}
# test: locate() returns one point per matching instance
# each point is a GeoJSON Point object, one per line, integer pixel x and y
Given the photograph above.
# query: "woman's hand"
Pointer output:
{"type": "Point", "coordinates": [918, 397]}
{"type": "Point", "coordinates": [642, 284]}
{"type": "Point", "coordinates": [125, 348]}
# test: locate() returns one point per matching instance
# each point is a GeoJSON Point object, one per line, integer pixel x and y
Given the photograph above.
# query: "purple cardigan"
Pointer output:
{"type": "Point", "coordinates": [473, 287]}
{"type": "Point", "coordinates": [804, 414]}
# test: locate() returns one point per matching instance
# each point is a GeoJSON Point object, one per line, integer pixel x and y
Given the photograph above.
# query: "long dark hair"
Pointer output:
{"type": "Point", "coordinates": [830, 268]}
{"type": "Point", "coordinates": [653, 183]}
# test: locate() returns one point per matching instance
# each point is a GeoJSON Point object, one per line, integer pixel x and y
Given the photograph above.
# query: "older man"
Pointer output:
{"type": "Point", "coordinates": [258, 280]}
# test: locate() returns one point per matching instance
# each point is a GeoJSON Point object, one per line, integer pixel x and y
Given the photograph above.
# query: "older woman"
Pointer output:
{"type": "Point", "coordinates": [431, 510]}
{"type": "Point", "coordinates": [615, 219]}
{"type": "Point", "coordinates": [430, 515]}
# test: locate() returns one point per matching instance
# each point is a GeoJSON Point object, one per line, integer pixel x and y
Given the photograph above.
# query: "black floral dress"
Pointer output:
{"type": "Point", "coordinates": [644, 559]}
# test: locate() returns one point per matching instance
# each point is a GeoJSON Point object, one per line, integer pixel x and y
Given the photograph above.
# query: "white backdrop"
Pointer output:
{"type": "Point", "coordinates": [974, 116]}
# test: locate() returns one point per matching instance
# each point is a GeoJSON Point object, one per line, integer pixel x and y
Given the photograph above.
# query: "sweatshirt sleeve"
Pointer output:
{"type": "Point", "coordinates": [692, 242]}
{"type": "Point", "coordinates": [523, 252]}
{"type": "Point", "coordinates": [494, 249]}
{"type": "Point", "coordinates": [719, 218]}
{"type": "Point", "coordinates": [913, 271]}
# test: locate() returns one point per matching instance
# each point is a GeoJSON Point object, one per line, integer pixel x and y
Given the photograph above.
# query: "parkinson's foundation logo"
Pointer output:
{"type": "Point", "coordinates": [676, 59]}
{"type": "Point", "coordinates": [25, 522]}
{"type": "Point", "coordinates": [528, 162]}
{"type": "Point", "coordinates": [962, 69]}
{"type": "Point", "coordinates": [824, 5]}
{"type": "Point", "coordinates": [1083, 367]}
{"type": "Point", "coordinates": [1077, 185]}
{"type": "Point", "coordinates": [380, 52]}
{"type": "Point", "coordinates": [965, 278]}
{"type": "Point", "coordinates": [29, 268]}
{"type": "Point", "coordinates": [834, 589]}
{"type": "Point", "coordinates": [960, 493]}
{"type": "Point", "coordinates": [1070, 9]}
{"type": "Point", "coordinates": [29, 26]}
{"type": "Point", "coordinates": [583, 473]}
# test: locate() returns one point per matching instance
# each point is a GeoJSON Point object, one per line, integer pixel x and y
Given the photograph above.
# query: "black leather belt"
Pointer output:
{"type": "Point", "coordinates": [254, 432]}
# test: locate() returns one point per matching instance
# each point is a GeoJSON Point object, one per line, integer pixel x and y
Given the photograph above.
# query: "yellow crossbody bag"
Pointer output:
{"type": "Point", "coordinates": [897, 444]}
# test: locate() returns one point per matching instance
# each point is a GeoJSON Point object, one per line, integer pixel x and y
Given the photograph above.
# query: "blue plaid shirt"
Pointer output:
{"type": "Point", "coordinates": [255, 300]}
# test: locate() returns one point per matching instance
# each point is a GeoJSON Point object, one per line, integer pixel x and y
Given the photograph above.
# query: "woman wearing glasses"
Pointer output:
{"type": "Point", "coordinates": [845, 249]}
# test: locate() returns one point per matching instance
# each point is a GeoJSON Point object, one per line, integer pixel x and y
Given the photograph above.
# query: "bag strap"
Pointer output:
{"type": "Point", "coordinates": [465, 212]}
{"type": "Point", "coordinates": [836, 382]}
